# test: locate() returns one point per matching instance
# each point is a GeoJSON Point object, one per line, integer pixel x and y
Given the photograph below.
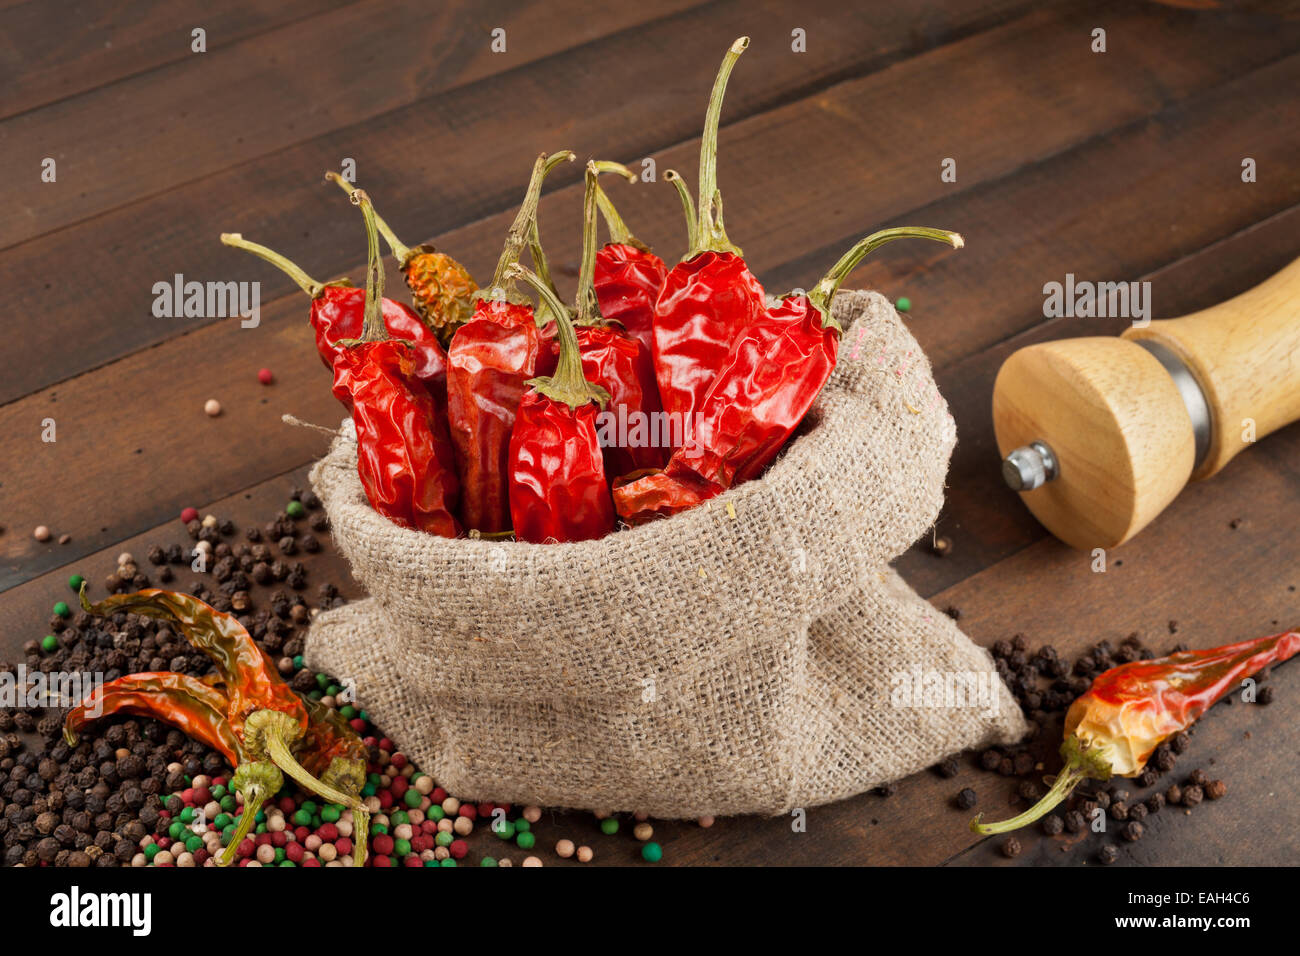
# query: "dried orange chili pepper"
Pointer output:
{"type": "Point", "coordinates": [1113, 729]}
{"type": "Point", "coordinates": [441, 288]}
{"type": "Point", "coordinates": [262, 711]}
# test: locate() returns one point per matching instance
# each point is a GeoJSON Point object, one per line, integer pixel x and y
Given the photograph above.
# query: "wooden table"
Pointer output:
{"type": "Point", "coordinates": [1123, 165]}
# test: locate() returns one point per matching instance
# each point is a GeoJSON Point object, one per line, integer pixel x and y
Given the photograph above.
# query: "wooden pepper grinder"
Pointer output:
{"type": "Point", "coordinates": [1100, 434]}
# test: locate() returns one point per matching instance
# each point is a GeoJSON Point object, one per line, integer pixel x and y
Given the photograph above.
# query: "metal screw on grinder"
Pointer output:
{"type": "Point", "coordinates": [1029, 466]}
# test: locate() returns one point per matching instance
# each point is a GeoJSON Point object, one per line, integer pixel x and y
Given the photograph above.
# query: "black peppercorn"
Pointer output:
{"type": "Point", "coordinates": [1053, 825]}
{"type": "Point", "coordinates": [1108, 854]}
{"type": "Point", "coordinates": [1011, 847]}
{"type": "Point", "coordinates": [966, 799]}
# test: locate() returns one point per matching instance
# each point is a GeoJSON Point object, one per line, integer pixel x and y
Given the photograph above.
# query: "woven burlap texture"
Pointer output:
{"type": "Point", "coordinates": [741, 657]}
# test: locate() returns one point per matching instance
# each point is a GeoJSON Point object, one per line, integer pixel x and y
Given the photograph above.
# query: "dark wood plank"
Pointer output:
{"type": "Point", "coordinates": [436, 166]}
{"type": "Point", "coordinates": [117, 409]}
{"type": "Point", "coordinates": [209, 112]}
{"type": "Point", "coordinates": [982, 518]}
{"type": "Point", "coordinates": [54, 49]}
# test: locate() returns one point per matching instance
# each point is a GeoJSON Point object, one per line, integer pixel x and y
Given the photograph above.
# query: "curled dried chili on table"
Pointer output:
{"type": "Point", "coordinates": [441, 288]}
{"type": "Point", "coordinates": [492, 357]}
{"type": "Point", "coordinates": [772, 374]}
{"type": "Point", "coordinates": [338, 314]}
{"type": "Point", "coordinates": [404, 454]}
{"type": "Point", "coordinates": [245, 710]}
{"type": "Point", "coordinates": [1113, 729]}
{"type": "Point", "coordinates": [710, 296]}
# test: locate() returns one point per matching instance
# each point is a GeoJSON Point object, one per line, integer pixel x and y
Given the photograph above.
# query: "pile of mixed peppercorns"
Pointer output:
{"type": "Point", "coordinates": [136, 792]}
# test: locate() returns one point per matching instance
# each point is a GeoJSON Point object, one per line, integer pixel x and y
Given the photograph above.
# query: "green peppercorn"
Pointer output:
{"type": "Point", "coordinates": [62, 609]}
{"type": "Point", "coordinates": [294, 509]}
{"type": "Point", "coordinates": [652, 852]}
{"type": "Point", "coordinates": [49, 643]}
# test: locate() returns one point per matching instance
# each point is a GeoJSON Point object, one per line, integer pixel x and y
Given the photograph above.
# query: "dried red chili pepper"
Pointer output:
{"type": "Point", "coordinates": [628, 278]}
{"type": "Point", "coordinates": [338, 314]}
{"type": "Point", "coordinates": [404, 455]}
{"type": "Point", "coordinates": [710, 296]}
{"type": "Point", "coordinates": [491, 360]}
{"type": "Point", "coordinates": [441, 288]}
{"type": "Point", "coordinates": [613, 358]}
{"type": "Point", "coordinates": [770, 378]}
{"type": "Point", "coordinates": [558, 490]}
{"type": "Point", "coordinates": [1113, 729]}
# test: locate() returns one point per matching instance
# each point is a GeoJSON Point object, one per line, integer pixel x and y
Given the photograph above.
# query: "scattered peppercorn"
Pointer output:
{"type": "Point", "coordinates": [1215, 789]}
{"type": "Point", "coordinates": [1108, 854]}
{"type": "Point", "coordinates": [1011, 847]}
{"type": "Point", "coordinates": [966, 798]}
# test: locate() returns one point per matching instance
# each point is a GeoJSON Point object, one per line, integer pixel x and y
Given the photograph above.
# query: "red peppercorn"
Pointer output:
{"type": "Point", "coordinates": [358, 724]}
{"type": "Point", "coordinates": [412, 860]}
{"type": "Point", "coordinates": [264, 376]}
{"type": "Point", "coordinates": [343, 845]}
{"type": "Point", "coordinates": [311, 861]}
{"type": "Point", "coordinates": [246, 847]}
{"type": "Point", "coordinates": [398, 786]}
{"type": "Point", "coordinates": [398, 760]}
{"type": "Point", "coordinates": [458, 849]}
{"type": "Point", "coordinates": [278, 839]}
{"type": "Point", "coordinates": [328, 832]}
{"type": "Point", "coordinates": [382, 844]}
{"type": "Point", "coordinates": [468, 811]}
{"type": "Point", "coordinates": [301, 833]}
{"type": "Point", "coordinates": [189, 514]}
{"type": "Point", "coordinates": [287, 806]}
{"type": "Point", "coordinates": [385, 798]}
{"type": "Point", "coordinates": [386, 744]}
{"type": "Point", "coordinates": [438, 795]}
{"type": "Point", "coordinates": [485, 808]}
{"type": "Point", "coordinates": [294, 852]}
{"type": "Point", "coordinates": [380, 860]}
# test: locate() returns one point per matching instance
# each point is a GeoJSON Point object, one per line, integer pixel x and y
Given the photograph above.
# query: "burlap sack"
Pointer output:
{"type": "Point", "coordinates": [751, 655]}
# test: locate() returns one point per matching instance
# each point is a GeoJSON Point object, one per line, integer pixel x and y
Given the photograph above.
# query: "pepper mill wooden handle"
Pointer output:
{"type": "Point", "coordinates": [1245, 355]}
{"type": "Point", "coordinates": [1100, 434]}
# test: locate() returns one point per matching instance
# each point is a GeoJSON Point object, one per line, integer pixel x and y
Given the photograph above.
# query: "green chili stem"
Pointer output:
{"type": "Point", "coordinates": [568, 384]}
{"type": "Point", "coordinates": [618, 231]}
{"type": "Point", "coordinates": [373, 329]}
{"type": "Point", "coordinates": [688, 206]}
{"type": "Point", "coordinates": [288, 267]}
{"type": "Point", "coordinates": [588, 307]}
{"type": "Point", "coordinates": [257, 781]}
{"type": "Point", "coordinates": [1080, 764]}
{"type": "Point", "coordinates": [254, 797]}
{"type": "Point", "coordinates": [401, 252]}
{"type": "Point", "coordinates": [710, 233]}
{"type": "Point", "coordinates": [825, 290]}
{"type": "Point", "coordinates": [521, 229]}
